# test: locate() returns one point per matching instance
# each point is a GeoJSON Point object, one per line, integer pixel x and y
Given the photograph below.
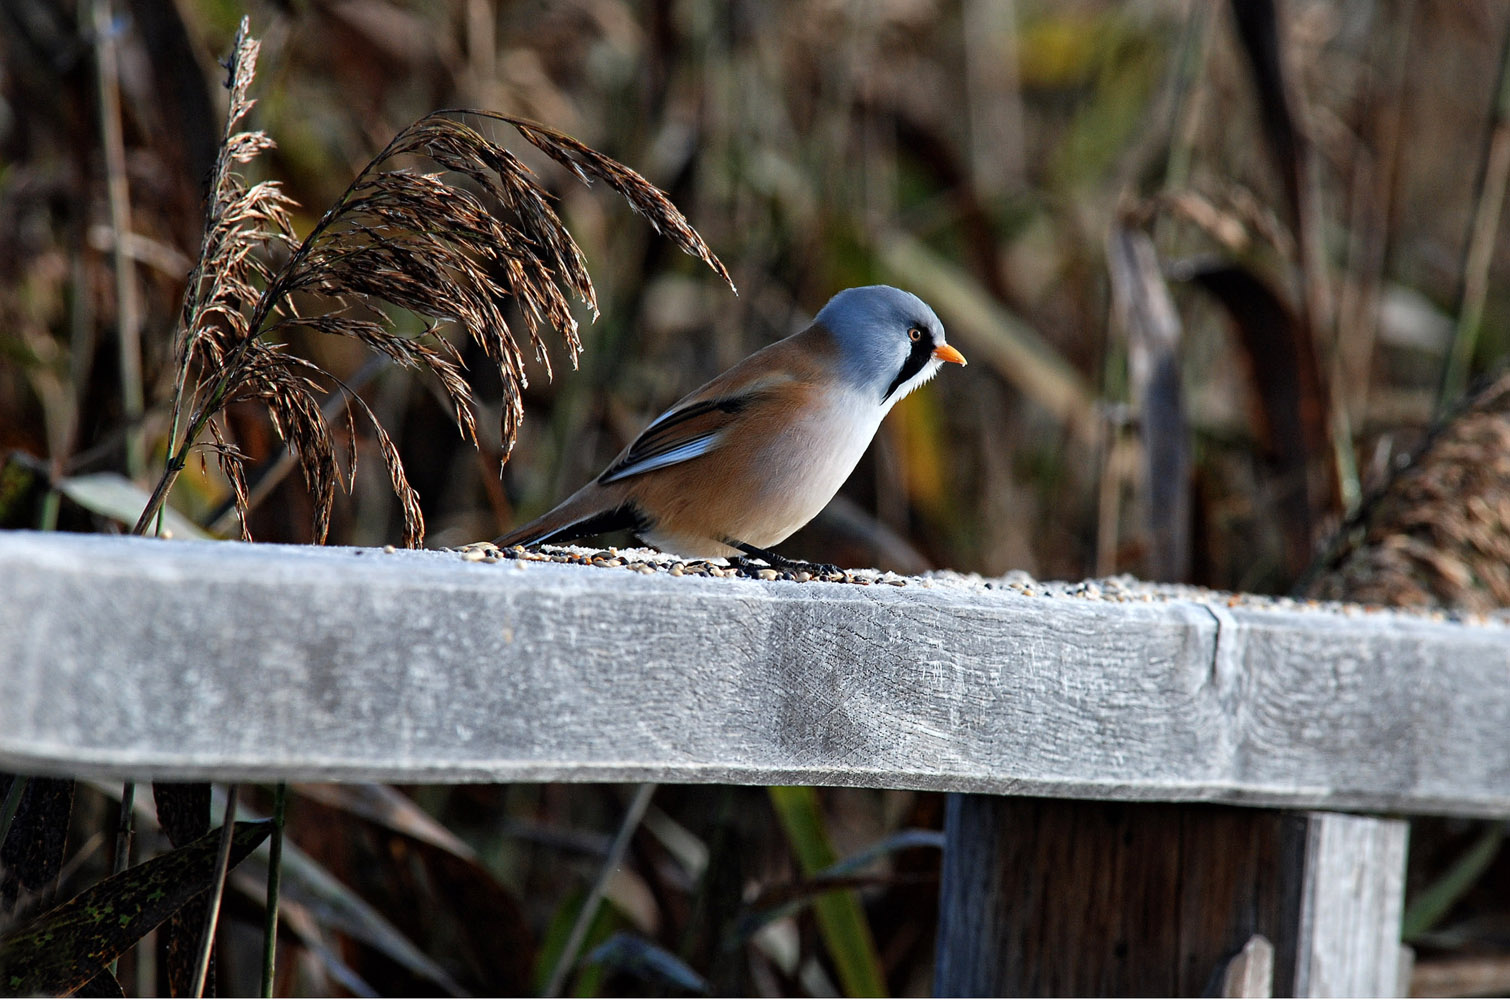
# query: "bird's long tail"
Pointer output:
{"type": "Point", "coordinates": [585, 513]}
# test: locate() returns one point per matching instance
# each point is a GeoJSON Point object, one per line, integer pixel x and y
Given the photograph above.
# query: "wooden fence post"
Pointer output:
{"type": "Point", "coordinates": [1045, 897]}
{"type": "Point", "coordinates": [1354, 898]}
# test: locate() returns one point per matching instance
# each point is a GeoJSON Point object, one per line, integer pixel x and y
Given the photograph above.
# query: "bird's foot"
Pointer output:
{"type": "Point", "coordinates": [747, 564]}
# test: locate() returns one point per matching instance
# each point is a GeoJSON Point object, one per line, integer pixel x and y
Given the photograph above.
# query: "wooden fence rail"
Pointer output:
{"type": "Point", "coordinates": [128, 658]}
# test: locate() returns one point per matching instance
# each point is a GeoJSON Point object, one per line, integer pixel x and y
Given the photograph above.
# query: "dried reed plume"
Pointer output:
{"type": "Point", "coordinates": [394, 241]}
{"type": "Point", "coordinates": [1439, 533]}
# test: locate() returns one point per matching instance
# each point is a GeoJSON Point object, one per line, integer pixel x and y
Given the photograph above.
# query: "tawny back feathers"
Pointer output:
{"type": "Point", "coordinates": [757, 452]}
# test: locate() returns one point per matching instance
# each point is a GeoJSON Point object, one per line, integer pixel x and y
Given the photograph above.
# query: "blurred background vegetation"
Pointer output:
{"type": "Point", "coordinates": [1321, 183]}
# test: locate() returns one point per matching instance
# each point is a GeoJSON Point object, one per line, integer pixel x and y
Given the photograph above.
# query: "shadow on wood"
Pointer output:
{"type": "Point", "coordinates": [1044, 897]}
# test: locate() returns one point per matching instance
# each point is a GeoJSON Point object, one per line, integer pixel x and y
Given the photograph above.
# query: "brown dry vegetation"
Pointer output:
{"type": "Point", "coordinates": [1332, 240]}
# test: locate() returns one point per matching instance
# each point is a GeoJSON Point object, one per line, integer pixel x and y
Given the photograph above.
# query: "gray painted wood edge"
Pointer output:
{"type": "Point", "coordinates": [145, 659]}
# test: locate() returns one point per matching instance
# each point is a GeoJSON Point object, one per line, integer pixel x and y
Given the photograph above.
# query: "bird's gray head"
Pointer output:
{"type": "Point", "coordinates": [890, 342]}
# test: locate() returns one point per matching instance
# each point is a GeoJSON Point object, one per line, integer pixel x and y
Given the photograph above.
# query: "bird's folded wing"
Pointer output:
{"type": "Point", "coordinates": [693, 427]}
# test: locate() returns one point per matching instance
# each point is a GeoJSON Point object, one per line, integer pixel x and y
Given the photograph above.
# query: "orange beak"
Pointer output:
{"type": "Point", "coordinates": [946, 353]}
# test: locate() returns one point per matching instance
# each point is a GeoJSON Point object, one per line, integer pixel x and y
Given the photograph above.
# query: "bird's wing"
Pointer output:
{"type": "Point", "coordinates": [693, 427]}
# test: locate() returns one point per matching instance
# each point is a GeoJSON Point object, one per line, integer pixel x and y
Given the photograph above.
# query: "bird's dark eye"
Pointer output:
{"type": "Point", "coordinates": [914, 335]}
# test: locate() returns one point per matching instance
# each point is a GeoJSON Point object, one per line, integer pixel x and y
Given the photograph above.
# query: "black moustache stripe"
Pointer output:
{"type": "Point", "coordinates": [917, 360]}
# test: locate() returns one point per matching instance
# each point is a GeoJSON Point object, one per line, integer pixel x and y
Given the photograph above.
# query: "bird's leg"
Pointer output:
{"type": "Point", "coordinates": [776, 561]}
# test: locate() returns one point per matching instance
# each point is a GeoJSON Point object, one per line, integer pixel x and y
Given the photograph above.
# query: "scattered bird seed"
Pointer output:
{"type": "Point", "coordinates": [1013, 585]}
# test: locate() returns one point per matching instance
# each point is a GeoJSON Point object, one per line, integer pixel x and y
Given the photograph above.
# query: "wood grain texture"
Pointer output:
{"type": "Point", "coordinates": [1351, 905]}
{"type": "Point", "coordinates": [187, 660]}
{"type": "Point", "coordinates": [1042, 897]}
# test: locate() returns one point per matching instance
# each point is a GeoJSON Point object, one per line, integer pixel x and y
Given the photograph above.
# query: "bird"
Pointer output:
{"type": "Point", "coordinates": [738, 465]}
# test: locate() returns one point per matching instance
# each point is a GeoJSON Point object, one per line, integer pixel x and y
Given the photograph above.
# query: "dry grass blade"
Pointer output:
{"type": "Point", "coordinates": [1146, 313]}
{"type": "Point", "coordinates": [1478, 252]}
{"type": "Point", "coordinates": [465, 247]}
{"type": "Point", "coordinates": [1290, 414]}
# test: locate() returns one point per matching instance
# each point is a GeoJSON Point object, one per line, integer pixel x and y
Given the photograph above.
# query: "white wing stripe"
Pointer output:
{"type": "Point", "coordinates": [700, 445]}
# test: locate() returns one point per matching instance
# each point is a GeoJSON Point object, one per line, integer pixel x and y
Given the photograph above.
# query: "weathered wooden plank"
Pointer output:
{"type": "Point", "coordinates": [1042, 897]}
{"type": "Point", "coordinates": [1351, 904]}
{"type": "Point", "coordinates": [135, 658]}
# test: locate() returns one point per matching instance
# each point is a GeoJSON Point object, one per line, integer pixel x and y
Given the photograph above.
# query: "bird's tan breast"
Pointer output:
{"type": "Point", "coordinates": [781, 464]}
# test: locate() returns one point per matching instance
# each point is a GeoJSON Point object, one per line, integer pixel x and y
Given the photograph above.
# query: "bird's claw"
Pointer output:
{"type": "Point", "coordinates": [750, 566]}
